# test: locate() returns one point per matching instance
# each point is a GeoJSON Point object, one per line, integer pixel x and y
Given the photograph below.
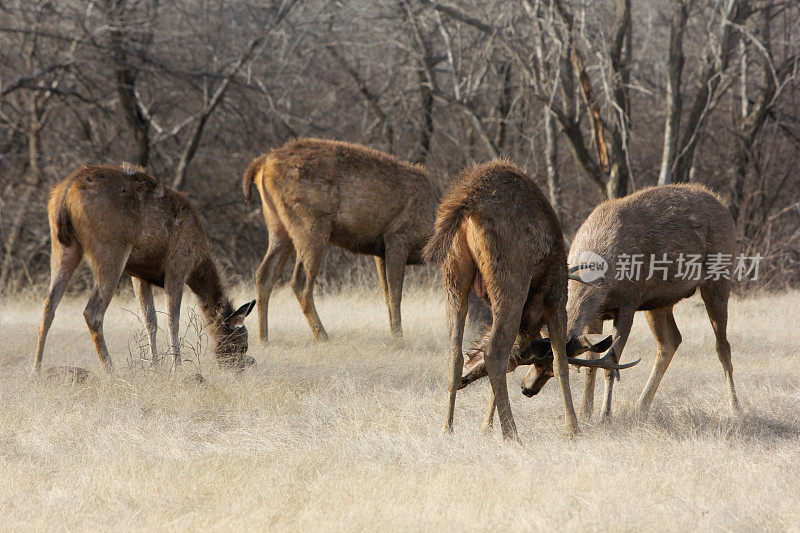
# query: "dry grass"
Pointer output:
{"type": "Point", "coordinates": [347, 435]}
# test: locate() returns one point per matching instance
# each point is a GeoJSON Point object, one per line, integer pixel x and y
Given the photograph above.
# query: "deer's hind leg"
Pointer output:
{"type": "Point", "coordinates": [715, 295]}
{"type": "Point", "coordinates": [63, 262]}
{"type": "Point", "coordinates": [380, 266]}
{"type": "Point", "coordinates": [395, 262]}
{"type": "Point", "coordinates": [144, 293]}
{"type": "Point", "coordinates": [556, 318]}
{"type": "Point", "coordinates": [488, 417]}
{"type": "Point", "coordinates": [506, 315]}
{"type": "Point", "coordinates": [665, 330]}
{"type": "Point", "coordinates": [310, 247]}
{"type": "Point", "coordinates": [278, 252]}
{"type": "Point", "coordinates": [107, 266]}
{"type": "Point", "coordinates": [459, 271]}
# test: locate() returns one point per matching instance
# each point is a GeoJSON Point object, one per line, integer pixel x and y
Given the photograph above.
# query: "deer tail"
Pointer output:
{"type": "Point", "coordinates": [63, 223]}
{"type": "Point", "coordinates": [448, 220]}
{"type": "Point", "coordinates": [250, 176]}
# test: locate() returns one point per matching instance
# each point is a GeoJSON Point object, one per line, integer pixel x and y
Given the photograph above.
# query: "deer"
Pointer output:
{"type": "Point", "coordinates": [317, 191]}
{"type": "Point", "coordinates": [667, 225]}
{"type": "Point", "coordinates": [671, 224]}
{"type": "Point", "coordinates": [124, 221]}
{"type": "Point", "coordinates": [496, 234]}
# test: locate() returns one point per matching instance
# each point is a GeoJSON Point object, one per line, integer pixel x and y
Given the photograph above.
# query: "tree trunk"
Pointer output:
{"type": "Point", "coordinates": [30, 185]}
{"type": "Point", "coordinates": [551, 163]}
{"type": "Point", "coordinates": [674, 97]}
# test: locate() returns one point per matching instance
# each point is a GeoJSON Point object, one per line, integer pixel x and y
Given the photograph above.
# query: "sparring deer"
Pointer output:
{"type": "Point", "coordinates": [124, 221]}
{"type": "Point", "coordinates": [314, 192]}
{"type": "Point", "coordinates": [683, 236]}
{"type": "Point", "coordinates": [685, 228]}
{"type": "Point", "coordinates": [496, 234]}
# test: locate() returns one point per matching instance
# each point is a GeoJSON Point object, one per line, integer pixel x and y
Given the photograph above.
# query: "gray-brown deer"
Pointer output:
{"type": "Point", "coordinates": [316, 191]}
{"type": "Point", "coordinates": [496, 234]}
{"type": "Point", "coordinates": [124, 221]}
{"type": "Point", "coordinates": [690, 235]}
{"type": "Point", "coordinates": [690, 225]}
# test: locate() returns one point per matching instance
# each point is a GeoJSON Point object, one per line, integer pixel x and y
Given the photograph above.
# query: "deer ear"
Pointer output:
{"type": "Point", "coordinates": [535, 351]}
{"type": "Point", "coordinates": [588, 343]}
{"type": "Point", "coordinates": [236, 320]}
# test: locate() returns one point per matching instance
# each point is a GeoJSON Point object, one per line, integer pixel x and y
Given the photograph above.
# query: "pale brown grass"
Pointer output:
{"type": "Point", "coordinates": [348, 434]}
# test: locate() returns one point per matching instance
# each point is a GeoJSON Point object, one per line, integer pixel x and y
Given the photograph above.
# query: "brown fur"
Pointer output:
{"type": "Point", "coordinates": [496, 231]}
{"type": "Point", "coordinates": [316, 191]}
{"type": "Point", "coordinates": [123, 220]}
{"type": "Point", "coordinates": [673, 219]}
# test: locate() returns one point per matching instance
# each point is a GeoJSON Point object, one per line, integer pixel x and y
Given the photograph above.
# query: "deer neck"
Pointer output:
{"type": "Point", "coordinates": [205, 283]}
{"type": "Point", "coordinates": [583, 308]}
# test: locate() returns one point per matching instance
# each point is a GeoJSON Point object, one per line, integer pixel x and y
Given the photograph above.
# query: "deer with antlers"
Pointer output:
{"type": "Point", "coordinates": [314, 192]}
{"type": "Point", "coordinates": [124, 221]}
{"type": "Point", "coordinates": [496, 234]}
{"type": "Point", "coordinates": [677, 232]}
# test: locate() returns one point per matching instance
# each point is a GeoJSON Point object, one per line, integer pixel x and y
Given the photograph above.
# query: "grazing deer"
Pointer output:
{"type": "Point", "coordinates": [496, 233]}
{"type": "Point", "coordinates": [123, 220]}
{"type": "Point", "coordinates": [684, 229]}
{"type": "Point", "coordinates": [316, 191]}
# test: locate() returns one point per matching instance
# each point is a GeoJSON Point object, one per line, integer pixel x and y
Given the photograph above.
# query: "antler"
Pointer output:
{"type": "Point", "coordinates": [607, 362]}
{"type": "Point", "coordinates": [573, 269]}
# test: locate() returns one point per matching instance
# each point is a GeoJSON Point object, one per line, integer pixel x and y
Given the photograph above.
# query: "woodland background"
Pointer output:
{"type": "Point", "coordinates": [594, 98]}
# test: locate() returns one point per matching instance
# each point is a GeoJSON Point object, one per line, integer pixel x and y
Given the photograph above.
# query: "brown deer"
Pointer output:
{"type": "Point", "coordinates": [316, 191]}
{"type": "Point", "coordinates": [681, 221]}
{"type": "Point", "coordinates": [671, 228]}
{"type": "Point", "coordinates": [123, 220]}
{"type": "Point", "coordinates": [496, 233]}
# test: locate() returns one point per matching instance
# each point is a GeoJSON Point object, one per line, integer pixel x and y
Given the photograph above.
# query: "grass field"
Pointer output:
{"type": "Point", "coordinates": [348, 434]}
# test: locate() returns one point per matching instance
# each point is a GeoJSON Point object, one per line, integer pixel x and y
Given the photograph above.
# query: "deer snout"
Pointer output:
{"type": "Point", "coordinates": [535, 379]}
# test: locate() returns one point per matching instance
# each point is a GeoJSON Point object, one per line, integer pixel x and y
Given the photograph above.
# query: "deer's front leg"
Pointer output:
{"type": "Point", "coordinates": [173, 287]}
{"type": "Point", "coordinates": [587, 400]}
{"type": "Point", "coordinates": [622, 328]}
{"type": "Point", "coordinates": [144, 293]}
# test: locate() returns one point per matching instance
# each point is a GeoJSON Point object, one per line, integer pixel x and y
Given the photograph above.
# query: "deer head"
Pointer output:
{"type": "Point", "coordinates": [231, 337]}
{"type": "Point", "coordinates": [542, 369]}
{"type": "Point", "coordinates": [538, 353]}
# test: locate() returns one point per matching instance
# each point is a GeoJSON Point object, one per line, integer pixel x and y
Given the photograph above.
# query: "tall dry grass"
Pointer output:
{"type": "Point", "coordinates": [347, 435]}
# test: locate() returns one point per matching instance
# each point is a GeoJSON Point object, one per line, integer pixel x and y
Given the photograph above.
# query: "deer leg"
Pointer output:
{"type": "Point", "coordinates": [106, 278]}
{"type": "Point", "coordinates": [557, 328]}
{"type": "Point", "coordinates": [380, 266]}
{"type": "Point", "coordinates": [715, 295]}
{"type": "Point", "coordinates": [665, 330]}
{"type": "Point", "coordinates": [306, 268]}
{"type": "Point", "coordinates": [278, 252]}
{"type": "Point", "coordinates": [63, 262]}
{"type": "Point", "coordinates": [622, 328]}
{"type": "Point", "coordinates": [173, 290]}
{"type": "Point", "coordinates": [587, 400]}
{"type": "Point", "coordinates": [488, 419]}
{"type": "Point", "coordinates": [144, 293]}
{"type": "Point", "coordinates": [457, 304]}
{"type": "Point", "coordinates": [505, 327]}
{"type": "Point", "coordinates": [396, 257]}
